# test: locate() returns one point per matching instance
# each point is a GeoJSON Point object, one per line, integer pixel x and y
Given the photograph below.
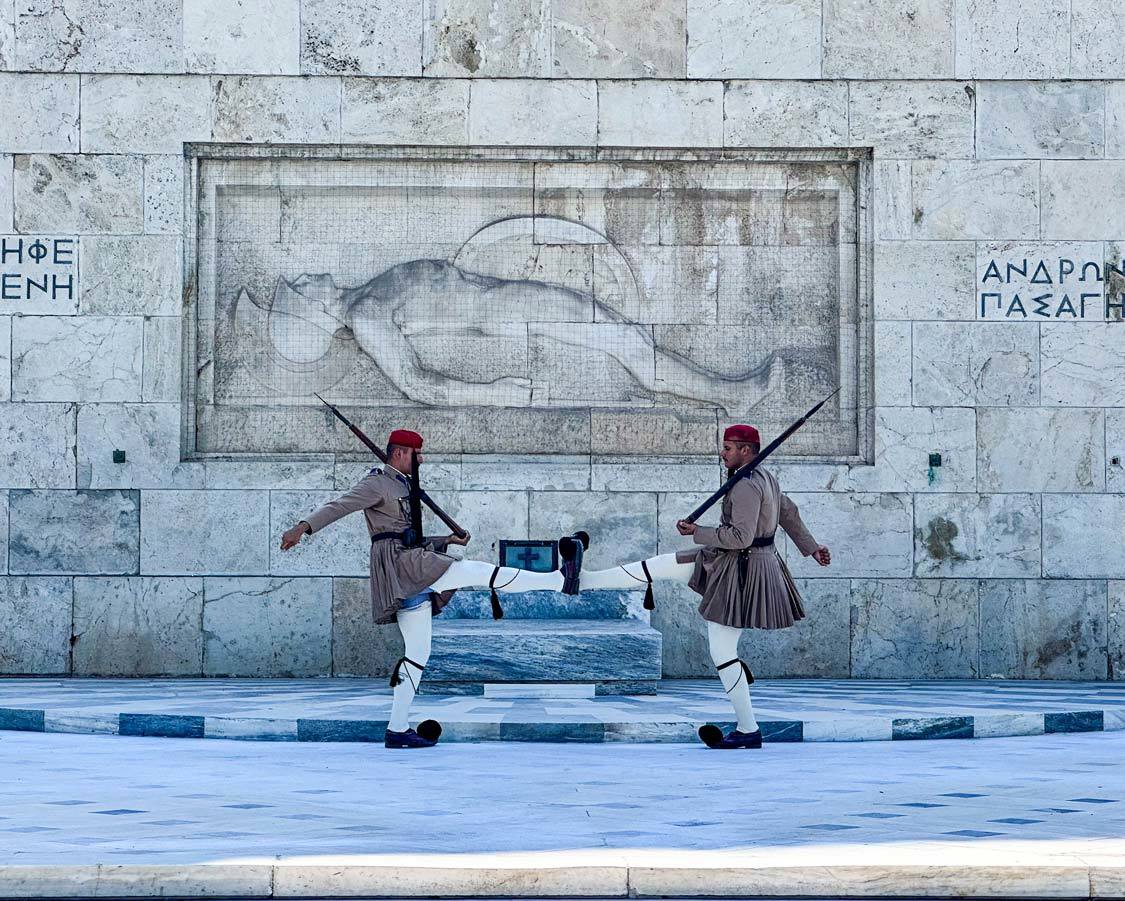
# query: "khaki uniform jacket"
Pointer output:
{"type": "Point", "coordinates": [397, 572]}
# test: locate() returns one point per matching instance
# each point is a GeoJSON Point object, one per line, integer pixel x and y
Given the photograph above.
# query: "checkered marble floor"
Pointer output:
{"type": "Point", "coordinates": [356, 710]}
{"type": "Point", "coordinates": [81, 799]}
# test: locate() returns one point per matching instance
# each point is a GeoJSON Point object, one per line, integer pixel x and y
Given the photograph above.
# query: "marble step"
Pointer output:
{"type": "Point", "coordinates": [529, 650]}
{"type": "Point", "coordinates": [549, 605]}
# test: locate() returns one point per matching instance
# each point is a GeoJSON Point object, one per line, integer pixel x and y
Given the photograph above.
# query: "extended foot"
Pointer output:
{"type": "Point", "coordinates": [713, 737]}
{"type": "Point", "coordinates": [571, 549]}
{"type": "Point", "coordinates": [407, 739]}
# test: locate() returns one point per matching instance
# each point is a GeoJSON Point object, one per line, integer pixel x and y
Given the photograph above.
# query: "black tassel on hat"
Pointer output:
{"type": "Point", "coordinates": [497, 610]}
{"type": "Point", "coordinates": [650, 603]}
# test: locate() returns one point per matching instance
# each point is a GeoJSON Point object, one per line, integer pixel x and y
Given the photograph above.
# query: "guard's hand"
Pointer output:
{"type": "Point", "coordinates": [291, 537]}
{"type": "Point", "coordinates": [822, 556]}
{"type": "Point", "coordinates": [685, 528]}
{"type": "Point", "coordinates": [453, 539]}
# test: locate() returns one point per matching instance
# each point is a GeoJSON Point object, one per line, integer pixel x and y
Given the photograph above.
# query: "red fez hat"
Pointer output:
{"type": "Point", "coordinates": [745, 433]}
{"type": "Point", "coordinates": [405, 438]}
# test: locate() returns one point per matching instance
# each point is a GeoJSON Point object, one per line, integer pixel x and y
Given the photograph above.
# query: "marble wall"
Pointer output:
{"type": "Point", "coordinates": [998, 143]}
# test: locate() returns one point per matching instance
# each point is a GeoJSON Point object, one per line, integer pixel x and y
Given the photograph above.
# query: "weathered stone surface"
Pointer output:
{"type": "Point", "coordinates": [7, 193]}
{"type": "Point", "coordinates": [914, 629]}
{"type": "Point", "coordinates": [1041, 450]}
{"type": "Point", "coordinates": [638, 39]}
{"type": "Point", "coordinates": [786, 114]}
{"type": "Point", "coordinates": [164, 195]}
{"type": "Point", "coordinates": [904, 439]}
{"type": "Point", "coordinates": [918, 280]}
{"type": "Point", "coordinates": [1097, 33]}
{"type": "Point", "coordinates": [817, 647]}
{"type": "Point", "coordinates": [440, 472]}
{"type": "Point", "coordinates": [144, 113]}
{"type": "Point", "coordinates": [674, 506]}
{"type": "Point", "coordinates": [343, 549]}
{"type": "Point", "coordinates": [913, 118]}
{"type": "Point", "coordinates": [1073, 199]}
{"type": "Point", "coordinates": [1035, 629]}
{"type": "Point", "coordinates": [138, 627]}
{"type": "Point", "coordinates": [267, 627]}
{"type": "Point", "coordinates": [676, 284]}
{"type": "Point", "coordinates": [874, 528]}
{"type": "Point", "coordinates": [485, 472]}
{"type": "Point", "coordinates": [488, 516]}
{"type": "Point", "coordinates": [622, 526]}
{"type": "Point", "coordinates": [660, 113]}
{"type": "Point", "coordinates": [1035, 273]}
{"type": "Point", "coordinates": [893, 369]}
{"type": "Point", "coordinates": [683, 632]}
{"type": "Point", "coordinates": [5, 359]}
{"type": "Point", "coordinates": [86, 358]}
{"type": "Point", "coordinates": [139, 274]}
{"type": "Point", "coordinates": [246, 109]}
{"type": "Point", "coordinates": [1013, 39]}
{"type": "Point", "coordinates": [97, 194]}
{"type": "Point", "coordinates": [292, 474]}
{"type": "Point", "coordinates": [39, 112]}
{"type": "Point", "coordinates": [1115, 447]}
{"type": "Point", "coordinates": [35, 625]}
{"type": "Point", "coordinates": [95, 36]}
{"type": "Point", "coordinates": [7, 35]}
{"type": "Point", "coordinates": [780, 40]}
{"type": "Point", "coordinates": [888, 39]}
{"type": "Point", "coordinates": [893, 209]}
{"type": "Point", "coordinates": [355, 37]}
{"type": "Point", "coordinates": [655, 474]}
{"type": "Point", "coordinates": [956, 200]}
{"type": "Point", "coordinates": [487, 40]}
{"type": "Point", "coordinates": [359, 647]}
{"type": "Point", "coordinates": [523, 111]}
{"type": "Point", "coordinates": [150, 436]}
{"type": "Point", "coordinates": [198, 532]}
{"type": "Point", "coordinates": [655, 432]}
{"type": "Point", "coordinates": [965, 364]}
{"type": "Point", "coordinates": [1083, 364]}
{"type": "Point", "coordinates": [5, 530]}
{"type": "Point", "coordinates": [1018, 120]}
{"type": "Point", "coordinates": [1117, 630]}
{"type": "Point", "coordinates": [985, 535]}
{"type": "Point", "coordinates": [160, 379]}
{"type": "Point", "coordinates": [1080, 536]}
{"type": "Point", "coordinates": [64, 532]}
{"type": "Point", "coordinates": [37, 445]}
{"type": "Point", "coordinates": [253, 37]}
{"type": "Point", "coordinates": [408, 111]}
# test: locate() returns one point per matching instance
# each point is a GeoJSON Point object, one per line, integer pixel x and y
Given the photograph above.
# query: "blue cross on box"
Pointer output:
{"type": "Point", "coordinates": [537, 556]}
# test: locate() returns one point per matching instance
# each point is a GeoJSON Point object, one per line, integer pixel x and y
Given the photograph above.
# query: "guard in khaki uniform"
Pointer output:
{"type": "Point", "coordinates": [744, 582]}
{"type": "Point", "coordinates": [412, 581]}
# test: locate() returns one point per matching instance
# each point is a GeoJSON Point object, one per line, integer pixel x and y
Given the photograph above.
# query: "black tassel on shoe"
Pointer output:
{"type": "Point", "coordinates": [497, 610]}
{"type": "Point", "coordinates": [650, 603]}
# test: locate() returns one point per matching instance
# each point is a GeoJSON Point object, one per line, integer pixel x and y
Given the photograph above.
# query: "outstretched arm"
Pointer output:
{"type": "Point", "coordinates": [790, 520]}
{"type": "Point", "coordinates": [363, 495]}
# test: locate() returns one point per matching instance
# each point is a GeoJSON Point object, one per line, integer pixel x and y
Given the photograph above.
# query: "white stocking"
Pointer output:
{"type": "Point", "coordinates": [474, 574]}
{"type": "Point", "coordinates": [631, 575]}
{"type": "Point", "coordinates": [723, 641]}
{"type": "Point", "coordinates": [416, 626]}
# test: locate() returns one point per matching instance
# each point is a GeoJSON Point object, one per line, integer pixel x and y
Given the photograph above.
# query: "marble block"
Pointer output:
{"type": "Point", "coordinates": [925, 280]}
{"type": "Point", "coordinates": [785, 114]}
{"type": "Point", "coordinates": [870, 534]}
{"type": "Point", "coordinates": [813, 648]}
{"type": "Point", "coordinates": [1079, 536]}
{"type": "Point", "coordinates": [144, 113]}
{"type": "Point", "coordinates": [35, 625]}
{"type": "Point", "coordinates": [150, 436]}
{"type": "Point", "coordinates": [164, 195]}
{"type": "Point", "coordinates": [781, 39]}
{"type": "Point", "coordinates": [341, 549]}
{"type": "Point", "coordinates": [1041, 629]}
{"type": "Point", "coordinates": [139, 274]}
{"type": "Point", "coordinates": [622, 527]}
{"type": "Point", "coordinates": [1116, 630]}
{"type": "Point", "coordinates": [481, 472]}
{"type": "Point", "coordinates": [244, 109]}
{"type": "Point", "coordinates": [893, 208]}
{"type": "Point", "coordinates": [76, 358]}
{"type": "Point", "coordinates": [199, 532]}
{"type": "Point", "coordinates": [524, 111]}
{"type": "Point", "coordinates": [894, 371]}
{"type": "Point", "coordinates": [1040, 120]}
{"type": "Point", "coordinates": [629, 39]}
{"type": "Point", "coordinates": [543, 651]}
{"type": "Point", "coordinates": [683, 631]}
{"type": "Point", "coordinates": [66, 532]}
{"type": "Point", "coordinates": [88, 194]}
{"type": "Point", "coordinates": [7, 35]}
{"type": "Point", "coordinates": [7, 194]}
{"type": "Point", "coordinates": [40, 113]}
{"type": "Point", "coordinates": [888, 39]}
{"type": "Point", "coordinates": [358, 37]}
{"type": "Point", "coordinates": [1073, 191]}
{"type": "Point", "coordinates": [906, 436]}
{"type": "Point", "coordinates": [138, 627]}
{"type": "Point", "coordinates": [970, 364]}
{"type": "Point", "coordinates": [37, 445]}
{"type": "Point", "coordinates": [1013, 39]}
{"type": "Point", "coordinates": [484, 39]}
{"type": "Point", "coordinates": [405, 111]}
{"type": "Point", "coordinates": [1115, 448]}
{"type": "Point", "coordinates": [359, 646]}
{"type": "Point", "coordinates": [914, 629]}
{"type": "Point", "coordinates": [160, 376]}
{"type": "Point", "coordinates": [1083, 364]}
{"type": "Point", "coordinates": [252, 37]}
{"type": "Point", "coordinates": [100, 36]}
{"type": "Point", "coordinates": [5, 359]}
{"type": "Point", "coordinates": [1041, 449]}
{"type": "Point", "coordinates": [607, 604]}
{"type": "Point", "coordinates": [267, 627]}
{"type": "Point", "coordinates": [660, 113]}
{"type": "Point", "coordinates": [1097, 33]}
{"type": "Point", "coordinates": [912, 119]}
{"type": "Point", "coordinates": [965, 199]}
{"type": "Point", "coordinates": [488, 516]}
{"type": "Point", "coordinates": [977, 535]}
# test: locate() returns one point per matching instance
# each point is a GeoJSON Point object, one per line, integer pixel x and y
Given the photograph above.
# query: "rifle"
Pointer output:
{"type": "Point", "coordinates": [378, 452]}
{"type": "Point", "coordinates": [743, 471]}
{"type": "Point", "coordinates": [415, 502]}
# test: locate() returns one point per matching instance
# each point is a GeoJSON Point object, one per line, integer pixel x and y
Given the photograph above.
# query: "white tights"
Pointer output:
{"type": "Point", "coordinates": [474, 574]}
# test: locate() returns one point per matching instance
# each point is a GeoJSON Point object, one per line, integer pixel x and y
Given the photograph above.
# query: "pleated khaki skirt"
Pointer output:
{"type": "Point", "coordinates": [749, 589]}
